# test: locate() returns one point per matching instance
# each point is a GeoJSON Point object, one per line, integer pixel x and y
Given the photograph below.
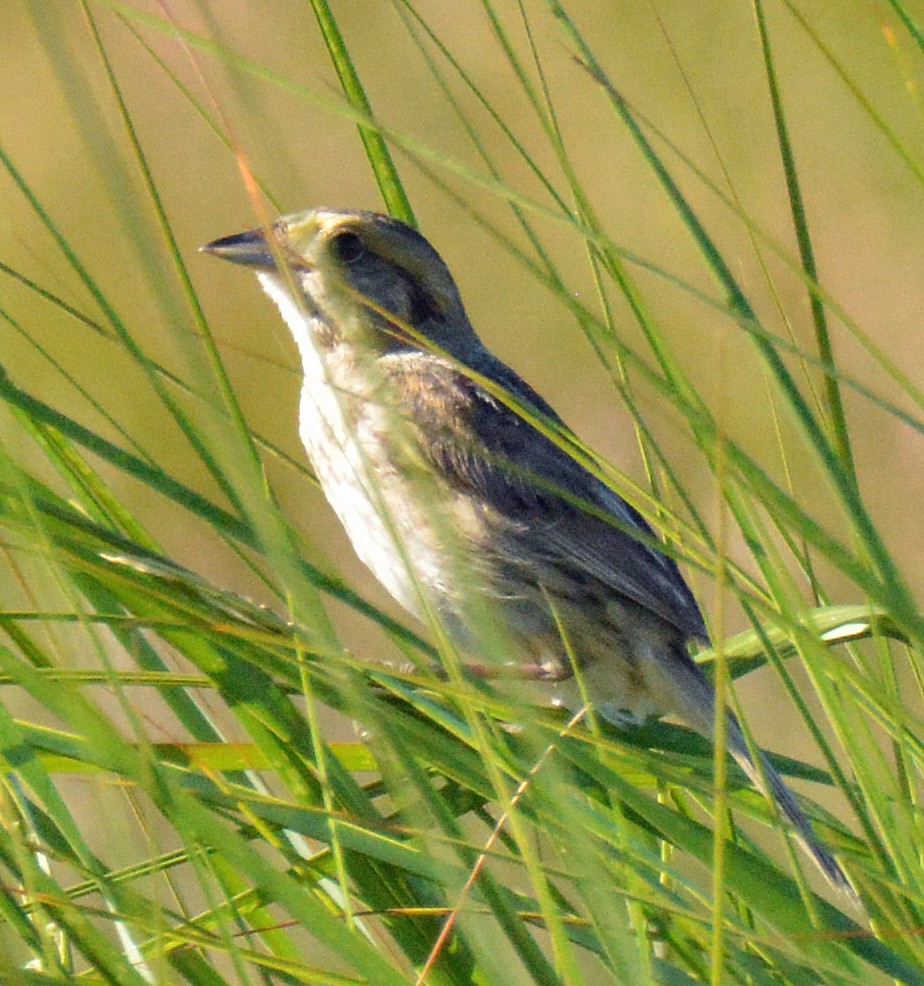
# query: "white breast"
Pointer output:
{"type": "Point", "coordinates": [380, 507]}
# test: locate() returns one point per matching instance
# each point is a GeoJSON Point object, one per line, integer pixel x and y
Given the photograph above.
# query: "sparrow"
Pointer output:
{"type": "Point", "coordinates": [452, 479]}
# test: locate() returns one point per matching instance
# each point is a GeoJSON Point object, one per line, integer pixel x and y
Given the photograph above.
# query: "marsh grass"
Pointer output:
{"type": "Point", "coordinates": [173, 806]}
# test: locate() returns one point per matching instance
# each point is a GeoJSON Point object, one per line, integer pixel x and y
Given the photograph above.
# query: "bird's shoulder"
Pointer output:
{"type": "Point", "coordinates": [481, 444]}
{"type": "Point", "coordinates": [460, 418]}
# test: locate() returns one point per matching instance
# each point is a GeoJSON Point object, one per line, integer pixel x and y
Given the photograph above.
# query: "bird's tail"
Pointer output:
{"type": "Point", "coordinates": [765, 778]}
{"type": "Point", "coordinates": [694, 697]}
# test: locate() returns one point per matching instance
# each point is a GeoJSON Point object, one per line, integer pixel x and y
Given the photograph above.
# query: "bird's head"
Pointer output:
{"type": "Point", "coordinates": [358, 269]}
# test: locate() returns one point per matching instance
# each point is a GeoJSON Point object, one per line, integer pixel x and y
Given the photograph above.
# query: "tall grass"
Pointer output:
{"type": "Point", "coordinates": [181, 801]}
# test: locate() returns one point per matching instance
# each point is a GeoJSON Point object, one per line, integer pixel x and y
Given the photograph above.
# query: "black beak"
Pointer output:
{"type": "Point", "coordinates": [249, 249]}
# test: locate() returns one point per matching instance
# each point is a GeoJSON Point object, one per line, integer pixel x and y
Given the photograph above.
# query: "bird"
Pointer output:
{"type": "Point", "coordinates": [453, 480]}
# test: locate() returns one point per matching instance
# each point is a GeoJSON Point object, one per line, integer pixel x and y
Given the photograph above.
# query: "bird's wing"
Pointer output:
{"type": "Point", "coordinates": [481, 445]}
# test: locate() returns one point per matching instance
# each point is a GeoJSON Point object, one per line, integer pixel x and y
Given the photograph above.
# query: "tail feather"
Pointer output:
{"type": "Point", "coordinates": [765, 778]}
{"type": "Point", "coordinates": [691, 694]}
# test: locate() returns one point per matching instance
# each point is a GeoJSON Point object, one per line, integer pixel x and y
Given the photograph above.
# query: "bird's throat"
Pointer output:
{"type": "Point", "coordinates": [297, 314]}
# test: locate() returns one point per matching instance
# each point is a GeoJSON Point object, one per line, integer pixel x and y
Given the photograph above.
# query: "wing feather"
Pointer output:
{"type": "Point", "coordinates": [564, 512]}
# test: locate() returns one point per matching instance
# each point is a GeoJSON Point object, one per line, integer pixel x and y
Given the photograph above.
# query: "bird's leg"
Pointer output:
{"type": "Point", "coordinates": [519, 672]}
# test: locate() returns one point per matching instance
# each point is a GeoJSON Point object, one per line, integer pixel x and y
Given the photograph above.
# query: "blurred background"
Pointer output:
{"type": "Point", "coordinates": [203, 83]}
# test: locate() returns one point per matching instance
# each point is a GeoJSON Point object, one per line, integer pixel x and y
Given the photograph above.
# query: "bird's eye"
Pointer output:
{"type": "Point", "coordinates": [348, 247]}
